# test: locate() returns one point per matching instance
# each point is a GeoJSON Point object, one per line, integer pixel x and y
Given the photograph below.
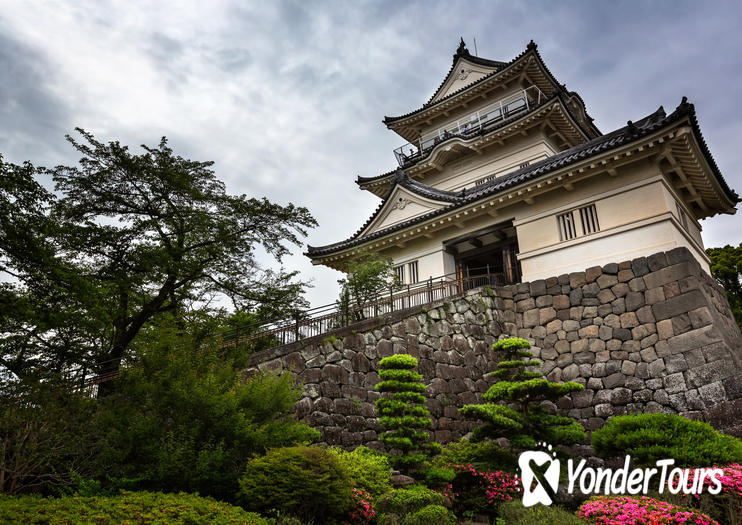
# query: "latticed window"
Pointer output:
{"type": "Point", "coordinates": [399, 273]}
{"type": "Point", "coordinates": [412, 267]}
{"type": "Point", "coordinates": [589, 219]}
{"type": "Point", "coordinates": [566, 226]}
{"type": "Point", "coordinates": [682, 216]}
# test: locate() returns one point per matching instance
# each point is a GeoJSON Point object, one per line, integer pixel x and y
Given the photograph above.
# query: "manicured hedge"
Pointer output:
{"type": "Point", "coordinates": [129, 507]}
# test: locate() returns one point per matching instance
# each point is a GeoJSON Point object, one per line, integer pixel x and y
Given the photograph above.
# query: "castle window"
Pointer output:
{"type": "Point", "coordinates": [524, 164]}
{"type": "Point", "coordinates": [412, 267]}
{"type": "Point", "coordinates": [682, 216]}
{"type": "Point", "coordinates": [566, 226]}
{"type": "Point", "coordinates": [399, 273]}
{"type": "Point", "coordinates": [589, 219]}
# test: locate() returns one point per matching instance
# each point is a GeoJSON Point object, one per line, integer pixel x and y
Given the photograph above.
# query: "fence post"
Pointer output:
{"type": "Point", "coordinates": [430, 289]}
{"type": "Point", "coordinates": [376, 305]}
{"type": "Point", "coordinates": [409, 300]}
{"type": "Point", "coordinates": [296, 327]}
{"type": "Point", "coordinates": [391, 299]}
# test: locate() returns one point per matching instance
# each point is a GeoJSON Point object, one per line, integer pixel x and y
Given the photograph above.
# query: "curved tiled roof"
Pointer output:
{"type": "Point", "coordinates": [615, 139]}
{"type": "Point", "coordinates": [462, 52]}
{"type": "Point", "coordinates": [559, 96]}
{"type": "Point", "coordinates": [532, 46]}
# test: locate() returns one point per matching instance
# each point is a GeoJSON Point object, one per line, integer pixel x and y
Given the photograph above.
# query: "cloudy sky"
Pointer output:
{"type": "Point", "coordinates": [287, 97]}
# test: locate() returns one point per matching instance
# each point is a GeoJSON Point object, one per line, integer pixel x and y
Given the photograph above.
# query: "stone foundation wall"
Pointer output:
{"type": "Point", "coordinates": [648, 335]}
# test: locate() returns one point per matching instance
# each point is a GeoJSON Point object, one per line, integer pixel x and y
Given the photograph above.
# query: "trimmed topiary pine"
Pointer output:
{"type": "Point", "coordinates": [403, 414]}
{"type": "Point", "coordinates": [512, 407]}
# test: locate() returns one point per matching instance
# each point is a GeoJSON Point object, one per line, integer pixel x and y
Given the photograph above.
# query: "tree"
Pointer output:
{"type": "Point", "coordinates": [185, 418]}
{"type": "Point", "coordinates": [131, 237]}
{"type": "Point", "coordinates": [403, 414]}
{"type": "Point", "coordinates": [368, 278]}
{"type": "Point", "coordinates": [512, 408]}
{"type": "Point", "coordinates": [726, 268]}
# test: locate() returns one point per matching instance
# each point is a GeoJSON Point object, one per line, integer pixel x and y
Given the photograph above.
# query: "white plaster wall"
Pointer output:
{"type": "Point", "coordinates": [620, 245]}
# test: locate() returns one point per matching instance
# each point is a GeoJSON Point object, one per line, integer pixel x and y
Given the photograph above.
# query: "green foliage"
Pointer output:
{"type": "Point", "coordinates": [401, 502]}
{"type": "Point", "coordinates": [403, 414]}
{"type": "Point", "coordinates": [651, 437]}
{"type": "Point", "coordinates": [366, 469]}
{"type": "Point", "coordinates": [513, 512]}
{"type": "Point", "coordinates": [185, 420]}
{"type": "Point", "coordinates": [438, 477]}
{"type": "Point", "coordinates": [428, 515]}
{"type": "Point", "coordinates": [368, 277]}
{"type": "Point", "coordinates": [306, 482]}
{"type": "Point", "coordinates": [726, 268]}
{"type": "Point", "coordinates": [48, 438]}
{"type": "Point", "coordinates": [484, 455]}
{"type": "Point", "coordinates": [129, 238]}
{"type": "Point", "coordinates": [512, 405]}
{"type": "Point", "coordinates": [129, 507]}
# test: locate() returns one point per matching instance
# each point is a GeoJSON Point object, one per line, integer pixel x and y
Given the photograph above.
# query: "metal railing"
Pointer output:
{"type": "Point", "coordinates": [478, 122]}
{"type": "Point", "coordinates": [323, 319]}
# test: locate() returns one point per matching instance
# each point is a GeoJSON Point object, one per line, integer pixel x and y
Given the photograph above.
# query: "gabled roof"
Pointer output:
{"type": "Point", "coordinates": [502, 69]}
{"type": "Point", "coordinates": [364, 182]}
{"type": "Point", "coordinates": [462, 53]}
{"type": "Point", "coordinates": [623, 136]}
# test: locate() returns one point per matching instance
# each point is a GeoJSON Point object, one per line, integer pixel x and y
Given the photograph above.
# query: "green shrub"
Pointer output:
{"type": "Point", "coordinates": [129, 507]}
{"type": "Point", "coordinates": [512, 405]}
{"type": "Point", "coordinates": [430, 515]}
{"type": "Point", "coordinates": [651, 437]}
{"type": "Point", "coordinates": [437, 477]}
{"type": "Point", "coordinates": [403, 414]}
{"type": "Point", "coordinates": [307, 482]}
{"type": "Point", "coordinates": [407, 501]}
{"type": "Point", "coordinates": [366, 469]}
{"type": "Point", "coordinates": [484, 455]}
{"type": "Point", "coordinates": [185, 420]}
{"type": "Point", "coordinates": [513, 512]}
{"type": "Point", "coordinates": [47, 436]}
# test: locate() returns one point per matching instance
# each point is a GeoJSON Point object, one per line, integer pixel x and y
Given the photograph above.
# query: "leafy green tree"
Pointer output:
{"type": "Point", "coordinates": [188, 420]}
{"type": "Point", "coordinates": [726, 268]}
{"type": "Point", "coordinates": [369, 278]}
{"type": "Point", "coordinates": [512, 405]}
{"type": "Point", "coordinates": [404, 413]}
{"type": "Point", "coordinates": [47, 436]}
{"type": "Point", "coordinates": [130, 237]}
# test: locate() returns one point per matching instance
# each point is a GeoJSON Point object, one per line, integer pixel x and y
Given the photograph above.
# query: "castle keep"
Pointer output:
{"type": "Point", "coordinates": [587, 244]}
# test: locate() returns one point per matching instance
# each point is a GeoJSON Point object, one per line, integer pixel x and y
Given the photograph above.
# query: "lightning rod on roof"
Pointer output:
{"type": "Point", "coordinates": [475, 47]}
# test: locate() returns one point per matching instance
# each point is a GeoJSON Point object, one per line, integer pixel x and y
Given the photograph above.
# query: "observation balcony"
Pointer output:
{"type": "Point", "coordinates": [476, 123]}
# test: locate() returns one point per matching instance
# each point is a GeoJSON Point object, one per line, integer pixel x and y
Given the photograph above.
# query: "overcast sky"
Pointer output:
{"type": "Point", "coordinates": [287, 97]}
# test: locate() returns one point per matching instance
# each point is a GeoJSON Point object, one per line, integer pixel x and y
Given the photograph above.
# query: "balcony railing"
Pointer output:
{"type": "Point", "coordinates": [477, 122]}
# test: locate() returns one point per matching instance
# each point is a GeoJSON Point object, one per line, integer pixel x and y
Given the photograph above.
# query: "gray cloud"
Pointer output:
{"type": "Point", "coordinates": [287, 97]}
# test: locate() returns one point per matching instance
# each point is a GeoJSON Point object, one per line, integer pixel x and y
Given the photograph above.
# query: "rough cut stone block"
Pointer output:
{"type": "Point", "coordinates": [546, 315]}
{"type": "Point", "coordinates": [576, 279]}
{"type": "Point", "coordinates": [561, 302]}
{"type": "Point", "coordinates": [625, 276]}
{"type": "Point", "coordinates": [639, 266]}
{"type": "Point", "coordinates": [712, 394]}
{"type": "Point", "coordinates": [679, 305]}
{"type": "Point", "coordinates": [700, 317]}
{"type": "Point", "coordinates": [614, 380]}
{"type": "Point", "coordinates": [695, 338]}
{"type": "Point", "coordinates": [674, 383]}
{"type": "Point", "coordinates": [656, 261]}
{"type": "Point", "coordinates": [655, 295]}
{"type": "Point", "coordinates": [628, 368]}
{"type": "Point", "coordinates": [606, 281]}
{"type": "Point", "coordinates": [611, 268]}
{"type": "Point", "coordinates": [593, 273]}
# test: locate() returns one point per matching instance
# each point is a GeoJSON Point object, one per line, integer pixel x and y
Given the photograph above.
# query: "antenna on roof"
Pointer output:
{"type": "Point", "coordinates": [475, 47]}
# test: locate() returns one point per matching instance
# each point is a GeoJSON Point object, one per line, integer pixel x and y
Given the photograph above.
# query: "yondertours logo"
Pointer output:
{"type": "Point", "coordinates": [541, 470]}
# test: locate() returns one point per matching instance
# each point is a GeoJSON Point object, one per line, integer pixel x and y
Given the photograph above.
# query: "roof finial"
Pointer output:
{"type": "Point", "coordinates": [461, 51]}
{"type": "Point", "coordinates": [531, 45]}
